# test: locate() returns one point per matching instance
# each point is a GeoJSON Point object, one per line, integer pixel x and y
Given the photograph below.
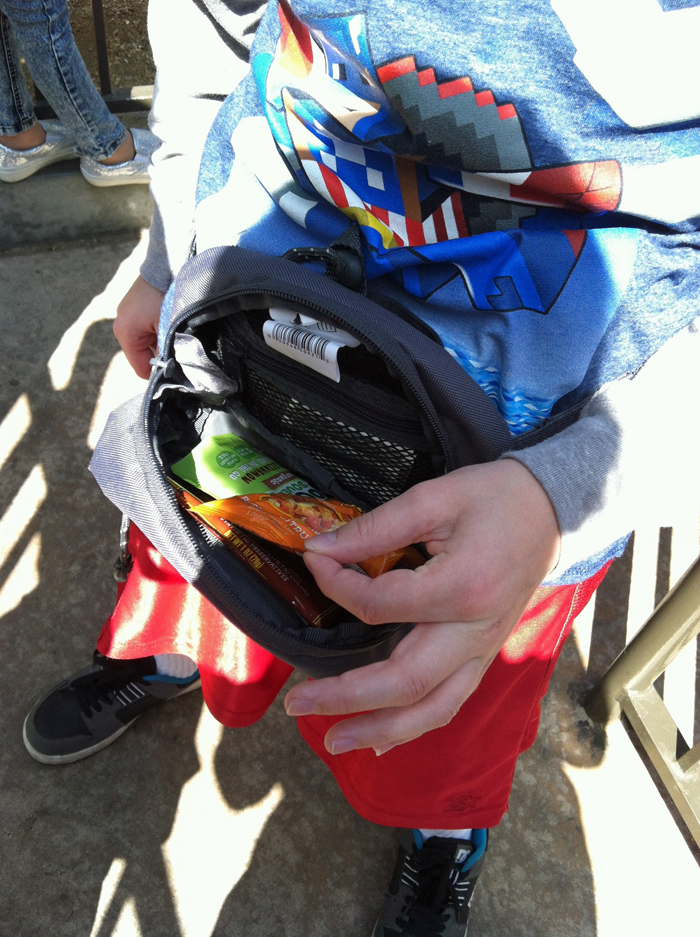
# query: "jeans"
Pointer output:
{"type": "Point", "coordinates": [40, 31]}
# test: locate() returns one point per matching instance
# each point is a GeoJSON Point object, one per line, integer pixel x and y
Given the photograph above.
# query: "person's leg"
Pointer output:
{"type": "Point", "coordinates": [43, 35]}
{"type": "Point", "coordinates": [16, 108]}
{"type": "Point", "coordinates": [148, 652]}
{"type": "Point", "coordinates": [25, 145]}
{"type": "Point", "coordinates": [452, 784]}
{"type": "Point", "coordinates": [459, 776]}
{"type": "Point", "coordinates": [25, 139]}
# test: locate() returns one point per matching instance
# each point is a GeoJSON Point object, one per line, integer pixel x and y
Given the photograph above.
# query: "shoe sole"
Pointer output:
{"type": "Point", "coordinates": [26, 171]}
{"type": "Point", "coordinates": [100, 183]}
{"type": "Point", "coordinates": [73, 756]}
{"type": "Point", "coordinates": [97, 747]}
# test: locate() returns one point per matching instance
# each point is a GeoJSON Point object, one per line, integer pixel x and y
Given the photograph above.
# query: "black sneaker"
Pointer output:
{"type": "Point", "coordinates": [431, 892]}
{"type": "Point", "coordinates": [91, 709]}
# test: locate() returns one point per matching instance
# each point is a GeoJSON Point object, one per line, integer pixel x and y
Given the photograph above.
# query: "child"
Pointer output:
{"type": "Point", "coordinates": [543, 223]}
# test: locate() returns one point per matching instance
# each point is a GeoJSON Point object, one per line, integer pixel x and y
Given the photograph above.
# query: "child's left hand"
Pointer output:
{"type": "Point", "coordinates": [493, 536]}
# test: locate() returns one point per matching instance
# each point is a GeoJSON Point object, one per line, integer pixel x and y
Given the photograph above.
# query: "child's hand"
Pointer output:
{"type": "Point", "coordinates": [493, 536]}
{"type": "Point", "coordinates": [136, 325]}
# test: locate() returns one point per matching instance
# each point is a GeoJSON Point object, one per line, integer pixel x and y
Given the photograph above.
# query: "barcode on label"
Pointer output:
{"type": "Point", "coordinates": [309, 348]}
{"type": "Point", "coordinates": [302, 339]}
{"type": "Point", "coordinates": [313, 325]}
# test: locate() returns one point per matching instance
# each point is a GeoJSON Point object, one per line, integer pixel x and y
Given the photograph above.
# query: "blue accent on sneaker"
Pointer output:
{"type": "Point", "coordinates": [164, 678]}
{"type": "Point", "coordinates": [418, 838]}
{"type": "Point", "coordinates": [480, 839]}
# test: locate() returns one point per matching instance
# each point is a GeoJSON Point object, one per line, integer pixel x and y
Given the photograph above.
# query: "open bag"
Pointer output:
{"type": "Point", "coordinates": [363, 419]}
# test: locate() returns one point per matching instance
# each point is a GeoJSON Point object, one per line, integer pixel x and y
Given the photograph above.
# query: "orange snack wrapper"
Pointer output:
{"type": "Point", "coordinates": [295, 586]}
{"type": "Point", "coordinates": [291, 520]}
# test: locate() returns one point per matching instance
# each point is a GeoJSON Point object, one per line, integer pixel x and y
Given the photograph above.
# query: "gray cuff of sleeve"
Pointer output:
{"type": "Point", "coordinates": [156, 267]}
{"type": "Point", "coordinates": [630, 459]}
{"type": "Point", "coordinates": [578, 468]}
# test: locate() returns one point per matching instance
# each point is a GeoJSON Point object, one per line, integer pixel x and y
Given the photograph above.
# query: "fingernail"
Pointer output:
{"type": "Point", "coordinates": [300, 707]}
{"type": "Point", "coordinates": [385, 748]}
{"type": "Point", "coordinates": [339, 746]}
{"type": "Point", "coordinates": [320, 541]}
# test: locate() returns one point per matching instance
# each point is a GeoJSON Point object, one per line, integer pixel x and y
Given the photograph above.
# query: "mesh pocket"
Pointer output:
{"type": "Point", "coordinates": [374, 467]}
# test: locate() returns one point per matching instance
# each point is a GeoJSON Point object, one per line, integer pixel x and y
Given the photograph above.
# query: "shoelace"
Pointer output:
{"type": "Point", "coordinates": [98, 687]}
{"type": "Point", "coordinates": [426, 915]}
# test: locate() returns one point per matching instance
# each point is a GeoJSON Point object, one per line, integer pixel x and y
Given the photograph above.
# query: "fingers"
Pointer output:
{"type": "Point", "coordinates": [385, 728]}
{"type": "Point", "coordinates": [136, 325]}
{"type": "Point", "coordinates": [435, 592]}
{"type": "Point", "coordinates": [422, 661]}
{"type": "Point", "coordinates": [492, 540]}
{"type": "Point", "coordinates": [421, 687]}
{"type": "Point", "coordinates": [407, 519]}
{"type": "Point", "coordinates": [389, 727]}
{"type": "Point", "coordinates": [137, 348]}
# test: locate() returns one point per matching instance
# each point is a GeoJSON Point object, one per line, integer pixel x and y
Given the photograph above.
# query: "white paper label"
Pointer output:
{"type": "Point", "coordinates": [309, 348]}
{"type": "Point", "coordinates": [314, 325]}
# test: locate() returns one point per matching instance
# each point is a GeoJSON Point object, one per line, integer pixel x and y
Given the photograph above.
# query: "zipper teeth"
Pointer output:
{"type": "Point", "coordinates": [252, 291]}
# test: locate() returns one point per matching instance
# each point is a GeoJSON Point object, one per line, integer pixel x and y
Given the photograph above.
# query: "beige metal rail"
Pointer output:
{"type": "Point", "coordinates": [628, 686]}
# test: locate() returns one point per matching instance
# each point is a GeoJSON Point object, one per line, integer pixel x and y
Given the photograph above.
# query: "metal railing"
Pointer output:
{"type": "Point", "coordinates": [628, 687]}
{"type": "Point", "coordinates": [118, 100]}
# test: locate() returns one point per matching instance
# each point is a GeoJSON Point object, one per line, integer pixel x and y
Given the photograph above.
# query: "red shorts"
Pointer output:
{"type": "Point", "coordinates": [454, 777]}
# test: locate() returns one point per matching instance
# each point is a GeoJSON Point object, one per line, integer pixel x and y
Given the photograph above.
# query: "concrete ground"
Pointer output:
{"type": "Point", "coordinates": [182, 829]}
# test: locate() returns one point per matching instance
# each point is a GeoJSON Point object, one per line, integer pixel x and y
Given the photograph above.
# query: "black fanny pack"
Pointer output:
{"type": "Point", "coordinates": [401, 411]}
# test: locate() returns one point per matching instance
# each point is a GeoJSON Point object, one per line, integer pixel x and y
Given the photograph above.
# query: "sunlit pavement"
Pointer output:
{"type": "Point", "coordinates": [184, 829]}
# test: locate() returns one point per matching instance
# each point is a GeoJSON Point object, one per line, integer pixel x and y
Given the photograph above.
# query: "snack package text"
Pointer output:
{"type": "Point", "coordinates": [227, 465]}
{"type": "Point", "coordinates": [295, 586]}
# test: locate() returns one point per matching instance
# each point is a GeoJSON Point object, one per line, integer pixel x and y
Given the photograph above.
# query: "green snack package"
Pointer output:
{"type": "Point", "coordinates": [227, 465]}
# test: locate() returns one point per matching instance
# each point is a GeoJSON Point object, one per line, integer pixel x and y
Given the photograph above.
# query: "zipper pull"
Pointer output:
{"type": "Point", "coordinates": [167, 366]}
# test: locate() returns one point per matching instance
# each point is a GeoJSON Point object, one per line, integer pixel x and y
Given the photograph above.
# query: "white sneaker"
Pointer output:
{"type": "Point", "coordinates": [135, 170]}
{"type": "Point", "coordinates": [16, 165]}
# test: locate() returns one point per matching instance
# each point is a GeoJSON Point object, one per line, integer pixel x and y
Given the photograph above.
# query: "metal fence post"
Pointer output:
{"type": "Point", "coordinates": [628, 687]}
{"type": "Point", "coordinates": [98, 19]}
{"type": "Point", "coordinates": [118, 100]}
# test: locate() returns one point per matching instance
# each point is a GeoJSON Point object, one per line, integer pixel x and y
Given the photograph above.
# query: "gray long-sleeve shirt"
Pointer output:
{"type": "Point", "coordinates": [200, 48]}
{"type": "Point", "coordinates": [632, 457]}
